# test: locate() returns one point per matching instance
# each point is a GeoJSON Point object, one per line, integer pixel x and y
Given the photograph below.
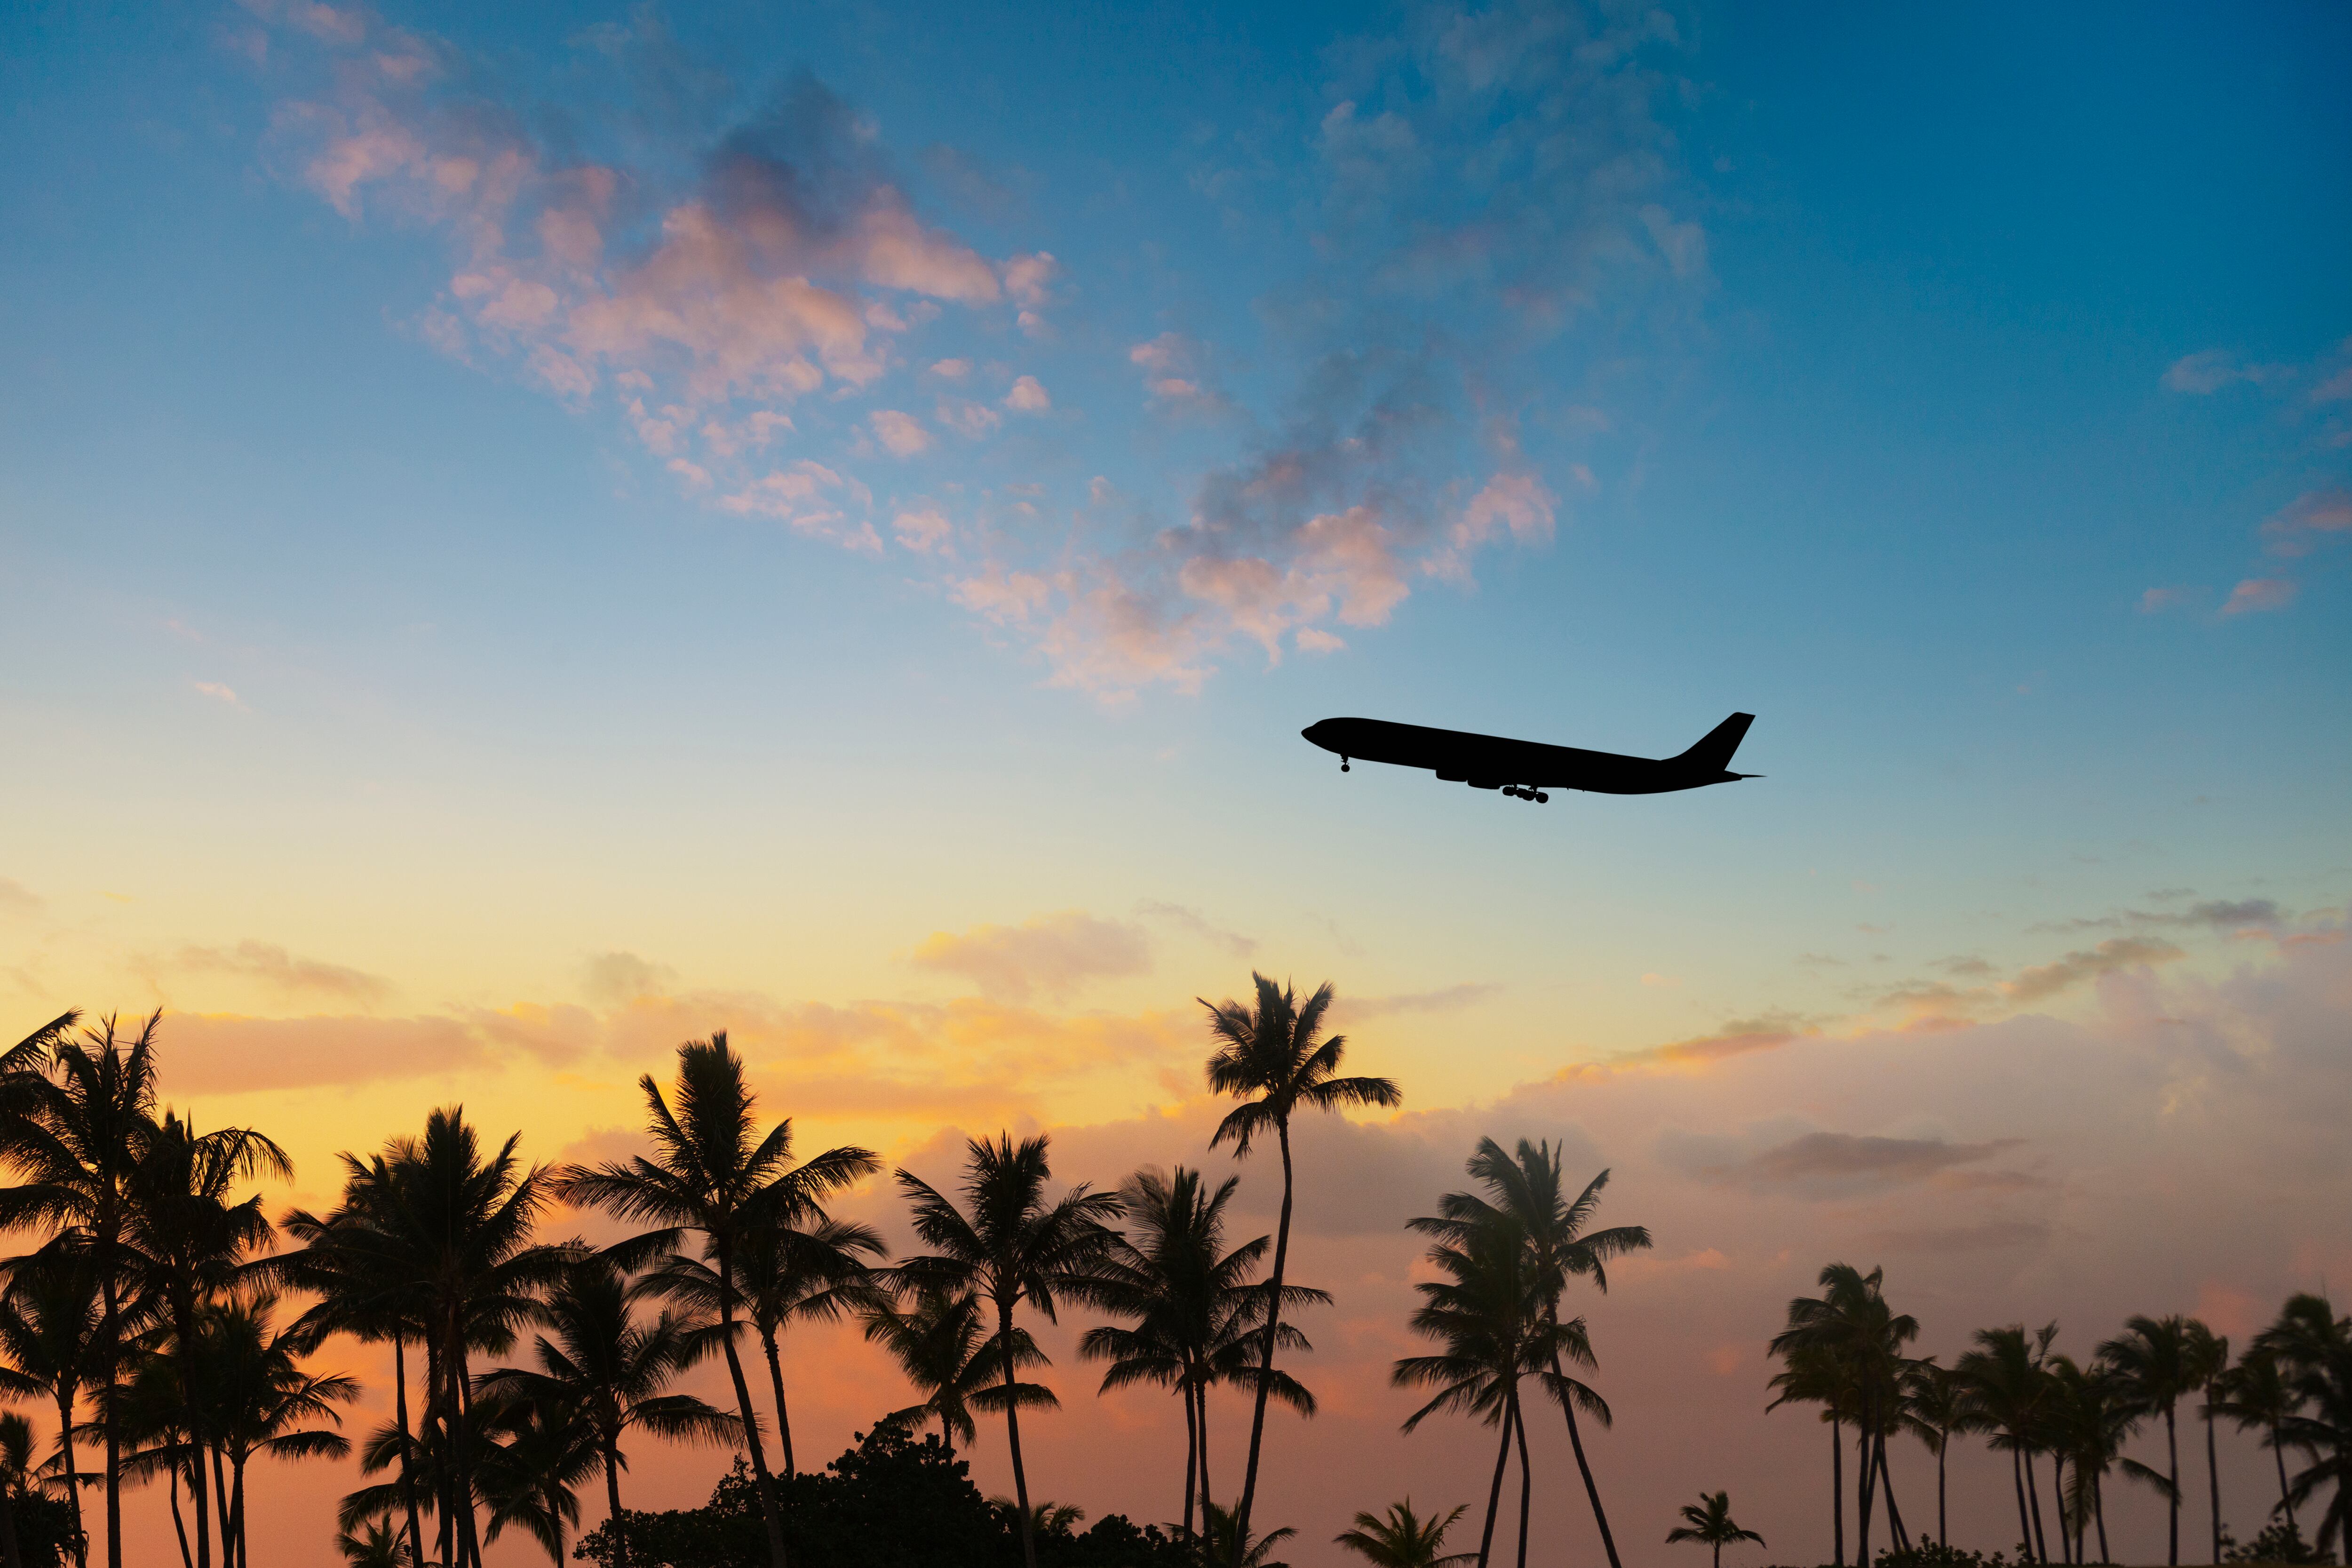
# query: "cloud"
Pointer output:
{"type": "Point", "coordinates": [2203, 374]}
{"type": "Point", "coordinates": [2046, 980]}
{"type": "Point", "coordinates": [2312, 519]}
{"type": "Point", "coordinates": [216, 1053]}
{"type": "Point", "coordinates": [274, 967]}
{"type": "Point", "coordinates": [1054, 953]}
{"type": "Point", "coordinates": [924, 529]}
{"type": "Point", "coordinates": [903, 434]}
{"type": "Point", "coordinates": [1832, 1164]}
{"type": "Point", "coordinates": [2258, 593]}
{"type": "Point", "coordinates": [1446, 999]}
{"type": "Point", "coordinates": [2157, 600]}
{"type": "Point", "coordinates": [619, 976]}
{"type": "Point", "coordinates": [1199, 925]}
{"type": "Point", "coordinates": [217, 692]}
{"type": "Point", "coordinates": [16, 899]}
{"type": "Point", "coordinates": [1028, 396]}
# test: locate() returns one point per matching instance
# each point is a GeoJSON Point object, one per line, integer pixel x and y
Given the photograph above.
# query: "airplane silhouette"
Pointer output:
{"type": "Point", "coordinates": [1524, 768]}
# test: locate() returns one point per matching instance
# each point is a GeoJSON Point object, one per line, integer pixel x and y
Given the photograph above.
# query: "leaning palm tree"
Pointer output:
{"type": "Point", "coordinates": [1708, 1521]}
{"type": "Point", "coordinates": [1273, 1057]}
{"type": "Point", "coordinates": [2255, 1395]}
{"type": "Point", "coordinates": [2157, 1359]}
{"type": "Point", "coordinates": [1527, 1186]}
{"type": "Point", "coordinates": [2314, 1347]}
{"type": "Point", "coordinates": [1487, 1316]}
{"type": "Point", "coordinates": [1009, 1244]}
{"type": "Point", "coordinates": [1404, 1539]}
{"type": "Point", "coordinates": [715, 1176]}
{"type": "Point", "coordinates": [814, 1271]}
{"type": "Point", "coordinates": [598, 1358]}
{"type": "Point", "coordinates": [74, 1142]}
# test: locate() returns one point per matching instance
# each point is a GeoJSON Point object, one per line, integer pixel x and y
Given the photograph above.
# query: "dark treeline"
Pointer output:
{"type": "Point", "coordinates": [173, 1327]}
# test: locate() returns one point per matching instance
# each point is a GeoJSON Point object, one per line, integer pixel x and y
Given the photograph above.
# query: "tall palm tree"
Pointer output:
{"type": "Point", "coordinates": [597, 1359]}
{"type": "Point", "coordinates": [266, 1401]}
{"type": "Point", "coordinates": [715, 1176]}
{"type": "Point", "coordinates": [187, 1243]}
{"type": "Point", "coordinates": [1852, 1325]}
{"type": "Point", "coordinates": [2005, 1378]}
{"type": "Point", "coordinates": [1936, 1407]}
{"type": "Point", "coordinates": [814, 1271]}
{"type": "Point", "coordinates": [1527, 1186]}
{"type": "Point", "coordinates": [1193, 1308]}
{"type": "Point", "coordinates": [1011, 1245]}
{"type": "Point", "coordinates": [1273, 1057]}
{"type": "Point", "coordinates": [75, 1141]}
{"type": "Point", "coordinates": [2155, 1358]}
{"type": "Point", "coordinates": [2314, 1347]}
{"type": "Point", "coordinates": [1404, 1539]}
{"type": "Point", "coordinates": [943, 1346]}
{"type": "Point", "coordinates": [1812, 1375]}
{"type": "Point", "coordinates": [2255, 1395]}
{"type": "Point", "coordinates": [2209, 1364]}
{"type": "Point", "coordinates": [1487, 1317]}
{"type": "Point", "coordinates": [2091, 1413]}
{"type": "Point", "coordinates": [49, 1317]}
{"type": "Point", "coordinates": [1709, 1522]}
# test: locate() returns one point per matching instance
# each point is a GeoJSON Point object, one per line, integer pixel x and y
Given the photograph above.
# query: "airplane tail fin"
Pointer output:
{"type": "Point", "coordinates": [1715, 750]}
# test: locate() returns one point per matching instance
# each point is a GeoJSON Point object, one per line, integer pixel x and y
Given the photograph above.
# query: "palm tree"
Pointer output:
{"type": "Point", "coordinates": [943, 1346]}
{"type": "Point", "coordinates": [711, 1175]}
{"type": "Point", "coordinates": [76, 1141]}
{"type": "Point", "coordinates": [49, 1317]}
{"type": "Point", "coordinates": [379, 1547]}
{"type": "Point", "coordinates": [1012, 1247]}
{"type": "Point", "coordinates": [1228, 1542]}
{"type": "Point", "coordinates": [1273, 1058]}
{"type": "Point", "coordinates": [1853, 1328]}
{"type": "Point", "coordinates": [1936, 1407]}
{"type": "Point", "coordinates": [1709, 1522]}
{"type": "Point", "coordinates": [537, 1451]}
{"type": "Point", "coordinates": [1193, 1307]}
{"type": "Point", "coordinates": [785, 1273]}
{"type": "Point", "coordinates": [2004, 1377]}
{"type": "Point", "coordinates": [2155, 1358]}
{"type": "Point", "coordinates": [612, 1369]}
{"type": "Point", "coordinates": [2091, 1413]}
{"type": "Point", "coordinates": [2314, 1347]}
{"type": "Point", "coordinates": [1487, 1316]}
{"type": "Point", "coordinates": [185, 1243]}
{"type": "Point", "coordinates": [2255, 1395]}
{"type": "Point", "coordinates": [1404, 1539]}
{"type": "Point", "coordinates": [265, 1398]}
{"type": "Point", "coordinates": [1812, 1375]}
{"type": "Point", "coordinates": [1527, 1186]}
{"type": "Point", "coordinates": [2209, 1364]}
{"type": "Point", "coordinates": [1045, 1519]}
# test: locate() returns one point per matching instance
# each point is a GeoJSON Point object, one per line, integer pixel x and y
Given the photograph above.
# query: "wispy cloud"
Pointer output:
{"type": "Point", "coordinates": [1051, 954]}
{"type": "Point", "coordinates": [2206, 373]}
{"type": "Point", "coordinates": [2257, 595]}
{"type": "Point", "coordinates": [274, 967]}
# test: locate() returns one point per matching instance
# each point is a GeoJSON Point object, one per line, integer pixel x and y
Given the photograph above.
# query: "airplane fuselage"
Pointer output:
{"type": "Point", "coordinates": [1494, 761]}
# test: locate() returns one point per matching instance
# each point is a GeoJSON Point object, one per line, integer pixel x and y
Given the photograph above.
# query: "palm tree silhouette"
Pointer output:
{"type": "Point", "coordinates": [1194, 1310]}
{"type": "Point", "coordinates": [1851, 1328]}
{"type": "Point", "coordinates": [375, 1544]}
{"type": "Point", "coordinates": [786, 1272]}
{"type": "Point", "coordinates": [535, 1450]}
{"type": "Point", "coordinates": [2209, 1364]}
{"type": "Point", "coordinates": [1709, 1522]}
{"type": "Point", "coordinates": [2314, 1349]}
{"type": "Point", "coordinates": [2005, 1377]}
{"type": "Point", "coordinates": [2157, 1359]}
{"type": "Point", "coordinates": [1404, 1539]}
{"type": "Point", "coordinates": [1013, 1245]}
{"type": "Point", "coordinates": [597, 1358]}
{"type": "Point", "coordinates": [1936, 1406]}
{"type": "Point", "coordinates": [2089, 1413]}
{"type": "Point", "coordinates": [1274, 1052]}
{"type": "Point", "coordinates": [265, 1400]}
{"type": "Point", "coordinates": [1228, 1542]}
{"type": "Point", "coordinates": [1527, 1185]}
{"type": "Point", "coordinates": [1811, 1375]}
{"type": "Point", "coordinates": [2254, 1393]}
{"type": "Point", "coordinates": [49, 1317]}
{"type": "Point", "coordinates": [74, 1141]}
{"type": "Point", "coordinates": [943, 1345]}
{"type": "Point", "coordinates": [712, 1177]}
{"type": "Point", "coordinates": [1489, 1317]}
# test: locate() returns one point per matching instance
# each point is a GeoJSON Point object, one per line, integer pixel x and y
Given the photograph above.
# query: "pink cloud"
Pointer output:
{"type": "Point", "coordinates": [2311, 518]}
{"type": "Point", "coordinates": [902, 434]}
{"type": "Point", "coordinates": [1028, 396]}
{"type": "Point", "coordinates": [2256, 593]}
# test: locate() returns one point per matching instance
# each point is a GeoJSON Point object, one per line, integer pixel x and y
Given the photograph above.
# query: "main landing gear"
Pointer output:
{"type": "Point", "coordinates": [1534, 794]}
{"type": "Point", "coordinates": [1343, 765]}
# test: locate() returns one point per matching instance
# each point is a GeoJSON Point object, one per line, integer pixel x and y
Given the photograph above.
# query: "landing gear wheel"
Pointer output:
{"type": "Point", "coordinates": [1542, 799]}
{"type": "Point", "coordinates": [1343, 765]}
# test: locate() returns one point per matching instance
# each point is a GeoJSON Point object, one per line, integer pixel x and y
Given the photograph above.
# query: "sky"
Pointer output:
{"type": "Point", "coordinates": [529, 534]}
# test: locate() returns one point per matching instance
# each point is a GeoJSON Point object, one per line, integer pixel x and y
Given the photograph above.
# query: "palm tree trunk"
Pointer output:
{"type": "Point", "coordinates": [1265, 1361]}
{"type": "Point", "coordinates": [469, 1536]}
{"type": "Point", "coordinates": [1202, 1394]}
{"type": "Point", "coordinates": [2099, 1512]}
{"type": "Point", "coordinates": [110, 1336]}
{"type": "Point", "coordinates": [1943, 1530]}
{"type": "Point", "coordinates": [237, 1501]}
{"type": "Point", "coordinates": [184, 1326]}
{"type": "Point", "coordinates": [1012, 1433]}
{"type": "Point", "coordinates": [179, 1524]}
{"type": "Point", "coordinates": [407, 1446]}
{"type": "Point", "coordinates": [2032, 1490]}
{"type": "Point", "coordinates": [752, 1443]}
{"type": "Point", "coordinates": [1865, 1480]}
{"type": "Point", "coordinates": [1527, 1475]}
{"type": "Point", "coordinates": [613, 1503]}
{"type": "Point", "coordinates": [2278, 1452]}
{"type": "Point", "coordinates": [2172, 1504]}
{"type": "Point", "coordinates": [1191, 1449]}
{"type": "Point", "coordinates": [2058, 1496]}
{"type": "Point", "coordinates": [220, 1499]}
{"type": "Point", "coordinates": [1576, 1441]}
{"type": "Point", "coordinates": [1886, 1484]}
{"type": "Point", "coordinates": [2212, 1472]}
{"type": "Point", "coordinates": [8, 1554]}
{"type": "Point", "coordinates": [776, 1377]}
{"type": "Point", "coordinates": [1495, 1492]}
{"type": "Point", "coordinates": [2024, 1520]}
{"type": "Point", "coordinates": [1837, 1488]}
{"type": "Point", "coordinates": [65, 1392]}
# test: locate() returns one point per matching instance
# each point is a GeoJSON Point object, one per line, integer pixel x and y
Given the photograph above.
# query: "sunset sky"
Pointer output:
{"type": "Point", "coordinates": [528, 534]}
